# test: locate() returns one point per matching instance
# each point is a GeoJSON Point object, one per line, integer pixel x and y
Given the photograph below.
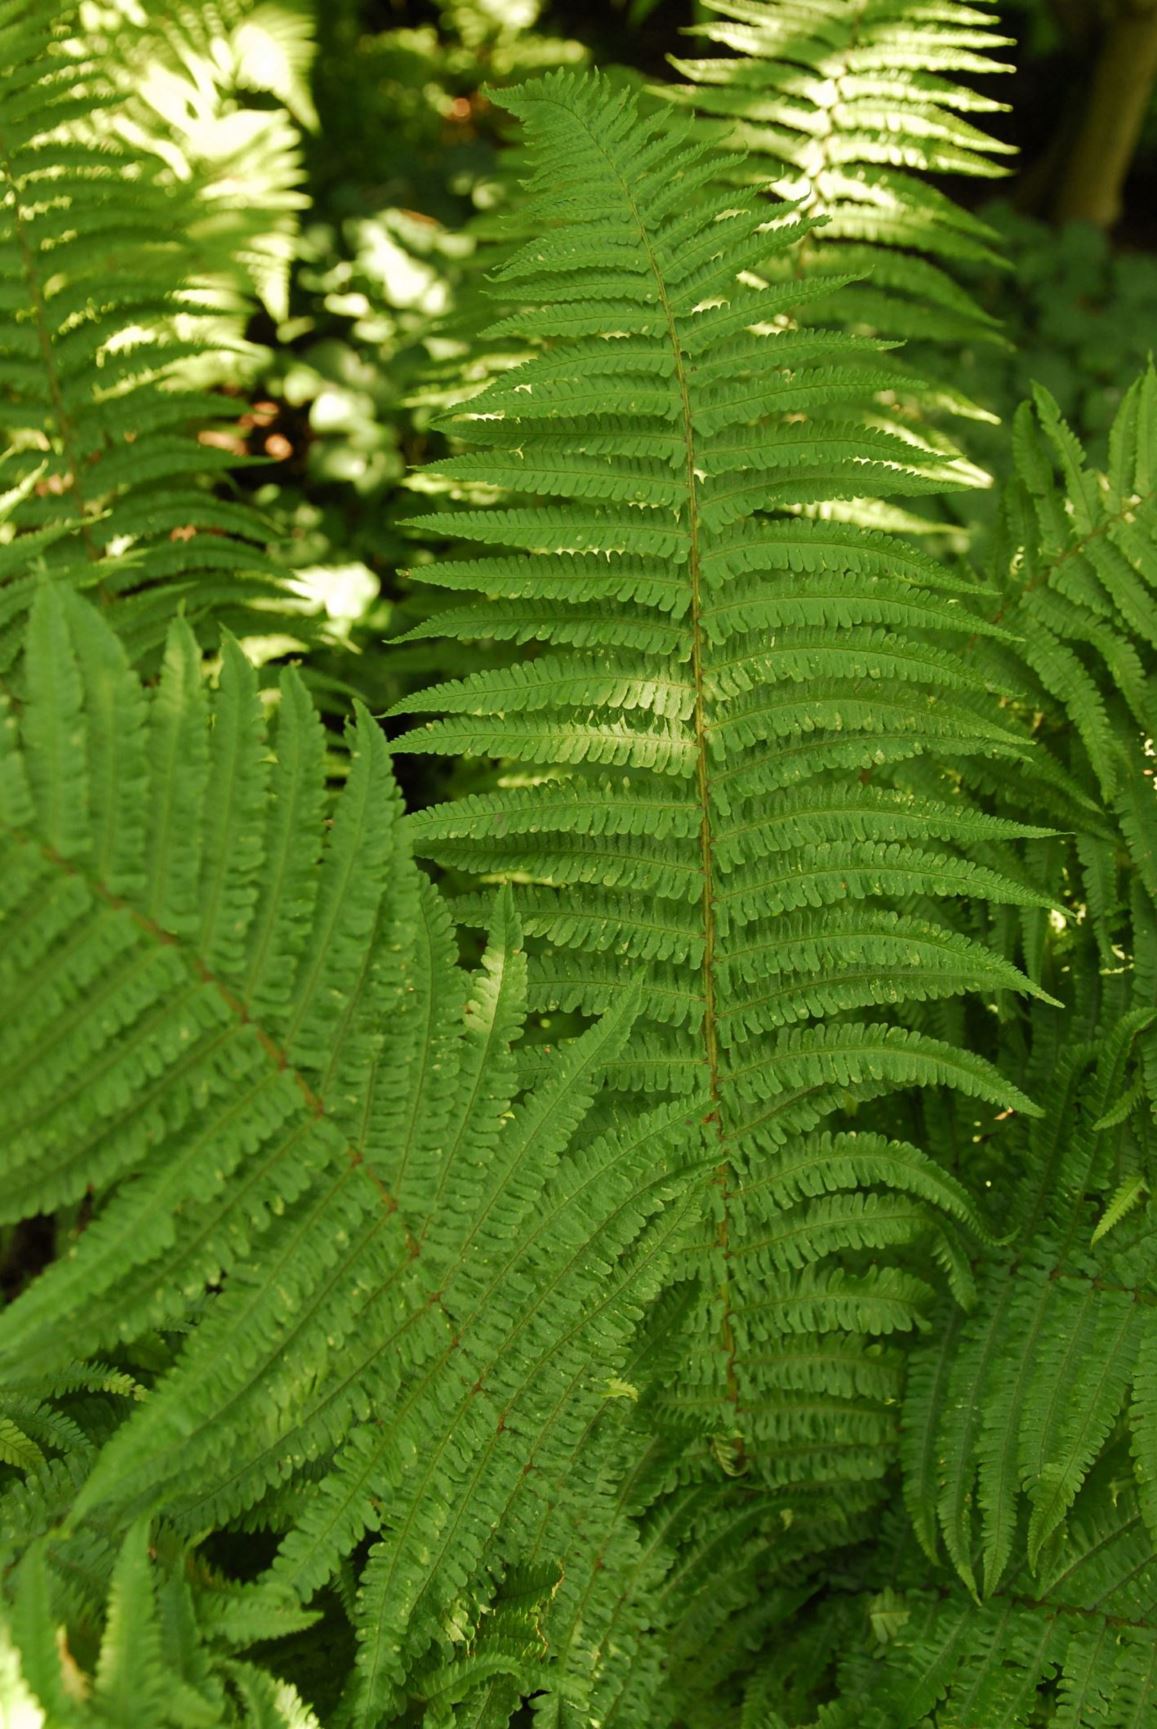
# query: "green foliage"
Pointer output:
{"type": "Point", "coordinates": [1008, 1411]}
{"type": "Point", "coordinates": [1078, 317]}
{"type": "Point", "coordinates": [1010, 1408]}
{"type": "Point", "coordinates": [218, 93]}
{"type": "Point", "coordinates": [729, 1304]}
{"type": "Point", "coordinates": [105, 474]}
{"type": "Point", "coordinates": [267, 1004]}
{"type": "Point", "coordinates": [754, 860]}
{"type": "Point", "coordinates": [408, 166]}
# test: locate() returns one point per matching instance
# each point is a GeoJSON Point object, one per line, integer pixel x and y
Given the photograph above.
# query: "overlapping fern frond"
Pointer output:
{"type": "Point", "coordinates": [233, 1020]}
{"type": "Point", "coordinates": [1010, 1408]}
{"type": "Point", "coordinates": [1072, 1645]}
{"type": "Point", "coordinates": [705, 786]}
{"type": "Point", "coordinates": [850, 107]}
{"type": "Point", "coordinates": [106, 479]}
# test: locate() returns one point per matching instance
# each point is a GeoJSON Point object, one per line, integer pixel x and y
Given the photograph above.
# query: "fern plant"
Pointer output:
{"type": "Point", "coordinates": [728, 1306]}
{"type": "Point", "coordinates": [252, 1046]}
{"type": "Point", "coordinates": [1076, 560]}
{"type": "Point", "coordinates": [754, 674]}
{"type": "Point", "coordinates": [105, 475]}
{"type": "Point", "coordinates": [1029, 1425]}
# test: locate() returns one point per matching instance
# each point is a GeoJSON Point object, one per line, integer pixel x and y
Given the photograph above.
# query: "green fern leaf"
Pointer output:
{"type": "Point", "coordinates": [111, 487]}
{"type": "Point", "coordinates": [690, 809]}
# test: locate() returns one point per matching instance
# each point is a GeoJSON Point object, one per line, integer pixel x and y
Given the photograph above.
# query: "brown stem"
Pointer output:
{"type": "Point", "coordinates": [1123, 81]}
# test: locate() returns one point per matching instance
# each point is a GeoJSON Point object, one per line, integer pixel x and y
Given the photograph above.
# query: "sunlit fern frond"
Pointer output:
{"type": "Point", "coordinates": [702, 787]}
{"type": "Point", "coordinates": [853, 108]}
{"type": "Point", "coordinates": [113, 478]}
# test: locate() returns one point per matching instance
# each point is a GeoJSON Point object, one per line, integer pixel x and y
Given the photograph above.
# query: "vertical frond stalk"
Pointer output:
{"type": "Point", "coordinates": [1093, 183]}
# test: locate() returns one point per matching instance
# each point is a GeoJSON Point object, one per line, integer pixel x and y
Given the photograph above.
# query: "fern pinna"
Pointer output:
{"type": "Point", "coordinates": [242, 1028]}
{"type": "Point", "coordinates": [706, 789]}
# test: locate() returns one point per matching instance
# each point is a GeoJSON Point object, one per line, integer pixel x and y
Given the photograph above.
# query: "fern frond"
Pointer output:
{"type": "Point", "coordinates": [110, 483]}
{"type": "Point", "coordinates": [849, 110]}
{"type": "Point", "coordinates": [1078, 560]}
{"type": "Point", "coordinates": [185, 77]}
{"type": "Point", "coordinates": [761, 896]}
{"type": "Point", "coordinates": [164, 1655]}
{"type": "Point", "coordinates": [241, 1018]}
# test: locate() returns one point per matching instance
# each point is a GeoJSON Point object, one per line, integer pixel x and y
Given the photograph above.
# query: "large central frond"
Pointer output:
{"type": "Point", "coordinates": [698, 786]}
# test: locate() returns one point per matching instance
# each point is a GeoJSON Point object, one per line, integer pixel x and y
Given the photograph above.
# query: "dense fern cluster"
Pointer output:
{"type": "Point", "coordinates": [723, 1297]}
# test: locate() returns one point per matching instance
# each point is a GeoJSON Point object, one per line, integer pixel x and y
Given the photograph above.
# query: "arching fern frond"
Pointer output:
{"type": "Point", "coordinates": [233, 1021]}
{"type": "Point", "coordinates": [698, 785]}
